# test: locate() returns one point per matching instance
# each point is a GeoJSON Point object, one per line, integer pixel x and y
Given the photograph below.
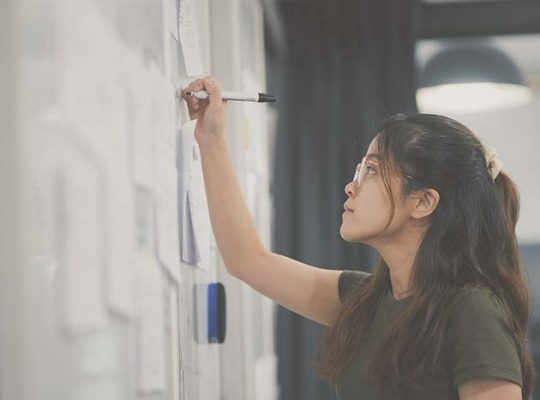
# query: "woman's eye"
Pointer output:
{"type": "Point", "coordinates": [372, 168]}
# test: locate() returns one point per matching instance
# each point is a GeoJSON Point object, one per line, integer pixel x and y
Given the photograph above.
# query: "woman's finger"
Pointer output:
{"type": "Point", "coordinates": [198, 85]}
{"type": "Point", "coordinates": [184, 93]}
{"type": "Point", "coordinates": [192, 87]}
{"type": "Point", "coordinates": [214, 92]}
{"type": "Point", "coordinates": [195, 86]}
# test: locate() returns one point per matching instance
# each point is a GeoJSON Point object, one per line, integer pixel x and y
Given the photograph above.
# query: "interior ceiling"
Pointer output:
{"type": "Point", "coordinates": [523, 45]}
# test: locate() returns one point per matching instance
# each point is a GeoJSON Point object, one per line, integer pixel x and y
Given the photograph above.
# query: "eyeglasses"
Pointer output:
{"type": "Point", "coordinates": [362, 170]}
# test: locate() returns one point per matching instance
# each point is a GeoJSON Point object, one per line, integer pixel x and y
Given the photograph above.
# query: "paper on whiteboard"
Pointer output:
{"type": "Point", "coordinates": [120, 282]}
{"type": "Point", "coordinates": [144, 221]}
{"type": "Point", "coordinates": [198, 207]}
{"type": "Point", "coordinates": [190, 252]}
{"type": "Point", "coordinates": [143, 141]}
{"type": "Point", "coordinates": [166, 186]}
{"type": "Point", "coordinates": [185, 142]}
{"type": "Point", "coordinates": [195, 222]}
{"type": "Point", "coordinates": [173, 334]}
{"type": "Point", "coordinates": [189, 38]}
{"type": "Point", "coordinates": [99, 361]}
{"type": "Point", "coordinates": [77, 189]}
{"type": "Point", "coordinates": [151, 332]}
{"type": "Point", "coordinates": [172, 16]}
{"type": "Point", "coordinates": [266, 377]}
{"type": "Point", "coordinates": [119, 198]}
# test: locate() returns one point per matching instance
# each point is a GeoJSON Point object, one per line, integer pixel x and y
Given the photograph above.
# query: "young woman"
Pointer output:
{"type": "Point", "coordinates": [445, 314]}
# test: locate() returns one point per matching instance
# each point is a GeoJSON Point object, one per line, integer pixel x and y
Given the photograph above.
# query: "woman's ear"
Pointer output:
{"type": "Point", "coordinates": [424, 202]}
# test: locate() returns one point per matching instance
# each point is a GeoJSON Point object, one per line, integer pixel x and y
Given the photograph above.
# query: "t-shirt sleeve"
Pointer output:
{"type": "Point", "coordinates": [348, 279]}
{"type": "Point", "coordinates": [479, 342]}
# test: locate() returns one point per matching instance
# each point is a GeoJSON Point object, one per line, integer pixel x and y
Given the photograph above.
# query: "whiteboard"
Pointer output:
{"type": "Point", "coordinates": [100, 303]}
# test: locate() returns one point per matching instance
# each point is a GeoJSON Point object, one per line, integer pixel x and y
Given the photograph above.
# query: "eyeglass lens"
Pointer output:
{"type": "Point", "coordinates": [360, 172]}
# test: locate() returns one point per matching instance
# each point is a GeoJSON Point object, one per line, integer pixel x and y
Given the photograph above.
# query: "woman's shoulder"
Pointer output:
{"type": "Point", "coordinates": [348, 279]}
{"type": "Point", "coordinates": [471, 292]}
{"type": "Point", "coordinates": [479, 340]}
{"type": "Point", "coordinates": [474, 299]}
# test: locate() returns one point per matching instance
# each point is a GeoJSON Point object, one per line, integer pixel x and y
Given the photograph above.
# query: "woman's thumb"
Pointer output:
{"type": "Point", "coordinates": [214, 92]}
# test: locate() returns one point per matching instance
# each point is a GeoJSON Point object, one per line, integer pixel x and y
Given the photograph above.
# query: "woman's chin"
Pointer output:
{"type": "Point", "coordinates": [344, 235]}
{"type": "Point", "coordinates": [348, 237]}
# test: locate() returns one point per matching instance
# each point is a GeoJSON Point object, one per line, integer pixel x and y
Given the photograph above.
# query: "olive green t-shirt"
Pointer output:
{"type": "Point", "coordinates": [477, 344]}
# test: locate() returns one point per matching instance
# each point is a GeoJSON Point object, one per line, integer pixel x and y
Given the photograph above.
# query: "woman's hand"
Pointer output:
{"type": "Point", "coordinates": [209, 113]}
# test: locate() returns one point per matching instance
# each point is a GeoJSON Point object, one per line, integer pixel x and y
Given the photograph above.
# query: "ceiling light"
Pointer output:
{"type": "Point", "coordinates": [471, 79]}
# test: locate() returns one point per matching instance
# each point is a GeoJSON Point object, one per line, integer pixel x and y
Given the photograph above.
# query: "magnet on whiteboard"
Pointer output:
{"type": "Point", "coordinates": [216, 313]}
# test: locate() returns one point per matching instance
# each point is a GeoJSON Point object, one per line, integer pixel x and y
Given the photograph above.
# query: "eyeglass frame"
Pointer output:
{"type": "Point", "coordinates": [363, 164]}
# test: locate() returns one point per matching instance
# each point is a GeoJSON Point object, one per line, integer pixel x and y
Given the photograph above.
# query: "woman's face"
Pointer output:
{"type": "Point", "coordinates": [370, 204]}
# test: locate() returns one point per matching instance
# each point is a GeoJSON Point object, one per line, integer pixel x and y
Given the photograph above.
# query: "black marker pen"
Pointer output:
{"type": "Point", "coordinates": [237, 96]}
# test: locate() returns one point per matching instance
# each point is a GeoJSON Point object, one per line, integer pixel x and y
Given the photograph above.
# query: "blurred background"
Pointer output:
{"type": "Point", "coordinates": [342, 66]}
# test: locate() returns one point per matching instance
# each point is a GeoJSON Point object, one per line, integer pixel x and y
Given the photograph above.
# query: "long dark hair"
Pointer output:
{"type": "Point", "coordinates": [470, 241]}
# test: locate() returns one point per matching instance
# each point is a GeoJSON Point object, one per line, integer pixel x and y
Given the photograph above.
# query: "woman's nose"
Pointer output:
{"type": "Point", "coordinates": [349, 188]}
